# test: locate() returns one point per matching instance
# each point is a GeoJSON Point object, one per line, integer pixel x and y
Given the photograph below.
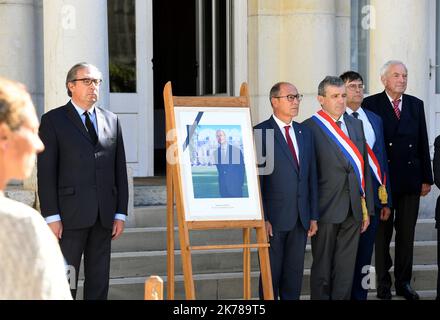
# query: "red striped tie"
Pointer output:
{"type": "Point", "coordinates": [290, 144]}
{"type": "Point", "coordinates": [396, 108]}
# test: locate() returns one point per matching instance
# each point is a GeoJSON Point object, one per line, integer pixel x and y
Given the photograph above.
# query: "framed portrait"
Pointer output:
{"type": "Point", "coordinates": [216, 157]}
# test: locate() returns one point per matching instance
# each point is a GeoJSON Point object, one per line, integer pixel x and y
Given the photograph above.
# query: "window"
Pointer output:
{"type": "Point", "coordinates": [214, 50]}
{"type": "Point", "coordinates": [360, 39]}
{"type": "Point", "coordinates": [437, 47]}
{"type": "Point", "coordinates": [122, 45]}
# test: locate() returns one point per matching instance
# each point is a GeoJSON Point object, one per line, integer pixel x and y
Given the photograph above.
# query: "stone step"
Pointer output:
{"type": "Point", "coordinates": [154, 238]}
{"type": "Point", "coordinates": [146, 263]}
{"type": "Point", "coordinates": [152, 192]}
{"type": "Point", "coordinates": [219, 286]}
{"type": "Point", "coordinates": [150, 195]}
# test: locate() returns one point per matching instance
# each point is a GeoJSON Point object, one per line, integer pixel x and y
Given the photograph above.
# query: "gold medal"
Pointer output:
{"type": "Point", "coordinates": [383, 195]}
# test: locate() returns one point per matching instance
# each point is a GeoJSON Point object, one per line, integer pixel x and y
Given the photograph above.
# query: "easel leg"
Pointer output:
{"type": "Point", "coordinates": [246, 265]}
{"type": "Point", "coordinates": [170, 234]}
{"type": "Point", "coordinates": [266, 275]}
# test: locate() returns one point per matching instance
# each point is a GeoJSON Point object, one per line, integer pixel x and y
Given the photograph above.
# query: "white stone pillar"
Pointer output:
{"type": "Point", "coordinates": [343, 13]}
{"type": "Point", "coordinates": [17, 42]}
{"type": "Point", "coordinates": [401, 32]}
{"type": "Point", "coordinates": [74, 31]}
{"type": "Point", "coordinates": [290, 41]}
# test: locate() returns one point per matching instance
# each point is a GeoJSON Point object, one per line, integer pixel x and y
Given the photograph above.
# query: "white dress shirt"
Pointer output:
{"type": "Point", "coordinates": [282, 124]}
{"type": "Point", "coordinates": [368, 128]}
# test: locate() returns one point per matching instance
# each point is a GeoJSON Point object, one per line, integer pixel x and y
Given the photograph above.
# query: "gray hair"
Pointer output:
{"type": "Point", "coordinates": [329, 81]}
{"type": "Point", "coordinates": [390, 63]}
{"type": "Point", "coordinates": [71, 75]}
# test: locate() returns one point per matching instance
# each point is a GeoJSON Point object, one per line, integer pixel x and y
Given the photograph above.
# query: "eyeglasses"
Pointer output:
{"type": "Point", "coordinates": [291, 97]}
{"type": "Point", "coordinates": [88, 81]}
{"type": "Point", "coordinates": [355, 86]}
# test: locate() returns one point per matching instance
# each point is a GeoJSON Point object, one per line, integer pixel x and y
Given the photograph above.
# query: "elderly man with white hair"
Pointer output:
{"type": "Point", "coordinates": [407, 147]}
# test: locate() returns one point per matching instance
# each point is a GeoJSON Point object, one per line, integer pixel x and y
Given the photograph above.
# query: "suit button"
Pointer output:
{"type": "Point", "coordinates": [410, 146]}
{"type": "Point", "coordinates": [389, 161]}
{"type": "Point", "coordinates": [409, 162]}
{"type": "Point", "coordinates": [391, 144]}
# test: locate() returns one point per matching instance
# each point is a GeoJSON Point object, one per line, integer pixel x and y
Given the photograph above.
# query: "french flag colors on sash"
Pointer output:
{"type": "Point", "coordinates": [348, 148]}
{"type": "Point", "coordinates": [375, 167]}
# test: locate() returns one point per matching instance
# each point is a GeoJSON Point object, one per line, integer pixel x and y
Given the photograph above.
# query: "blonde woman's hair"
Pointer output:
{"type": "Point", "coordinates": [13, 99]}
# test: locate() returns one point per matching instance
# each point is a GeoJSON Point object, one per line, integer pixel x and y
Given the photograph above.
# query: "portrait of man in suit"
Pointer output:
{"type": "Point", "coordinates": [407, 147]}
{"type": "Point", "coordinates": [289, 191]}
{"type": "Point", "coordinates": [345, 199]}
{"type": "Point", "coordinates": [82, 179]}
{"type": "Point", "coordinates": [378, 165]}
{"type": "Point", "coordinates": [229, 162]}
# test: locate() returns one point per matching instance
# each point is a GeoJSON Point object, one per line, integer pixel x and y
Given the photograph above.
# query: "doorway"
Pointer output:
{"type": "Point", "coordinates": [174, 59]}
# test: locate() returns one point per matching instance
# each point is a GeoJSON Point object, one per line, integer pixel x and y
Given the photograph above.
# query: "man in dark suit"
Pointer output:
{"type": "Point", "coordinates": [406, 141]}
{"type": "Point", "coordinates": [288, 189]}
{"type": "Point", "coordinates": [373, 130]}
{"type": "Point", "coordinates": [230, 167]}
{"type": "Point", "coordinates": [344, 193]}
{"type": "Point", "coordinates": [436, 167]}
{"type": "Point", "coordinates": [82, 179]}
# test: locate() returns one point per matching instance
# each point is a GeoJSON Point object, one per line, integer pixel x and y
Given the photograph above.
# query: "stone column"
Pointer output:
{"type": "Point", "coordinates": [400, 32]}
{"type": "Point", "coordinates": [17, 42]}
{"type": "Point", "coordinates": [74, 31]}
{"type": "Point", "coordinates": [290, 41]}
{"type": "Point", "coordinates": [343, 13]}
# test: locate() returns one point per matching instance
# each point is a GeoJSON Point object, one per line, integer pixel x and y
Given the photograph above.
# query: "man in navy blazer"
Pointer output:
{"type": "Point", "coordinates": [288, 188]}
{"type": "Point", "coordinates": [406, 141]}
{"type": "Point", "coordinates": [373, 130]}
{"type": "Point", "coordinates": [82, 179]}
{"type": "Point", "coordinates": [230, 167]}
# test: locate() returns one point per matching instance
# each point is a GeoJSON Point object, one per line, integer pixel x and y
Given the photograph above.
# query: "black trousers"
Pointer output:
{"type": "Point", "coordinates": [404, 218]}
{"type": "Point", "coordinates": [95, 244]}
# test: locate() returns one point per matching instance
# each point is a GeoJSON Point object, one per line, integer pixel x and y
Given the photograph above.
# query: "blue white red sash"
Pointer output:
{"type": "Point", "coordinates": [348, 148]}
{"type": "Point", "coordinates": [374, 165]}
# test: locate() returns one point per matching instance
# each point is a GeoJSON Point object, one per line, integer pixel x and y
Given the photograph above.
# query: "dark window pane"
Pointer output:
{"type": "Point", "coordinates": [122, 45]}
{"type": "Point", "coordinates": [360, 39]}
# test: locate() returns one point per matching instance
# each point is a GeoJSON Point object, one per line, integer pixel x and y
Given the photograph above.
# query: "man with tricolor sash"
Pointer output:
{"type": "Point", "coordinates": [378, 164]}
{"type": "Point", "coordinates": [345, 198]}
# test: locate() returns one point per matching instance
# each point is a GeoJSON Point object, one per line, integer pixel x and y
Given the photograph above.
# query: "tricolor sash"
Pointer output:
{"type": "Point", "coordinates": [348, 148]}
{"type": "Point", "coordinates": [375, 167]}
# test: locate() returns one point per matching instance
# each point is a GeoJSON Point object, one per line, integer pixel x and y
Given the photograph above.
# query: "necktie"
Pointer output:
{"type": "Point", "coordinates": [356, 115]}
{"type": "Point", "coordinates": [91, 128]}
{"type": "Point", "coordinates": [339, 124]}
{"type": "Point", "coordinates": [396, 108]}
{"type": "Point", "coordinates": [290, 144]}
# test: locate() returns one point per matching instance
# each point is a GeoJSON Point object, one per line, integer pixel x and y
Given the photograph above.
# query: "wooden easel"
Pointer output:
{"type": "Point", "coordinates": [174, 190]}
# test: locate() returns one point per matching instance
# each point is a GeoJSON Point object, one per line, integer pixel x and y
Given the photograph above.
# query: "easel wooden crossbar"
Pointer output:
{"type": "Point", "coordinates": [174, 192]}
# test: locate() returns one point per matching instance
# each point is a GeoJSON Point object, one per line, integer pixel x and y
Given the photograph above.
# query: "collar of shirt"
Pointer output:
{"type": "Point", "coordinates": [91, 112]}
{"type": "Point", "coordinates": [391, 101]}
{"type": "Point", "coordinates": [368, 128]}
{"type": "Point", "coordinates": [360, 111]}
{"type": "Point", "coordinates": [81, 111]}
{"type": "Point", "coordinates": [282, 124]}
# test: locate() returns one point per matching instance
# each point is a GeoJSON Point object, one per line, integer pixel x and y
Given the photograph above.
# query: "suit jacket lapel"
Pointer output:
{"type": "Point", "coordinates": [389, 112]}
{"type": "Point", "coordinates": [76, 119]}
{"type": "Point", "coordinates": [405, 115]}
{"type": "Point", "coordinates": [100, 122]}
{"type": "Point", "coordinates": [299, 141]}
{"type": "Point", "coordinates": [282, 142]}
{"type": "Point", "coordinates": [375, 127]}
